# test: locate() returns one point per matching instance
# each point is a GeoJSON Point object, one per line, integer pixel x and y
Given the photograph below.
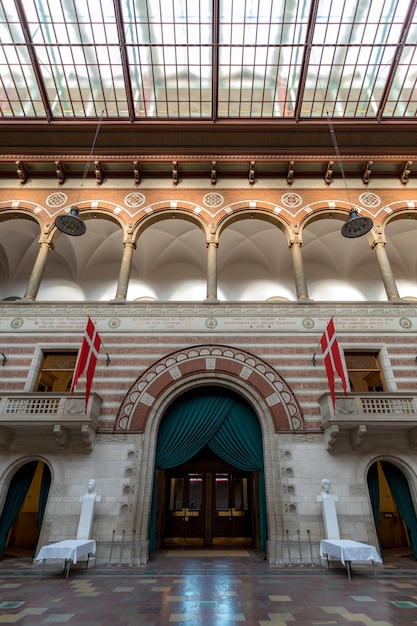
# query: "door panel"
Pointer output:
{"type": "Point", "coordinates": [208, 508]}
{"type": "Point", "coordinates": [184, 514]}
{"type": "Point", "coordinates": [232, 515]}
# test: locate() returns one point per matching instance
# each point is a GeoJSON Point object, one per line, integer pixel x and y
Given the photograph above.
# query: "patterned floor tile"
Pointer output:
{"type": "Point", "coordinates": [196, 592]}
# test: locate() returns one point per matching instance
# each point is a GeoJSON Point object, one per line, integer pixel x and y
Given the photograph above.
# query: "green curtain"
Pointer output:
{"type": "Point", "coordinates": [401, 493]}
{"type": "Point", "coordinates": [16, 495]}
{"type": "Point", "coordinates": [188, 426]}
{"type": "Point", "coordinates": [239, 442]}
{"type": "Point", "coordinates": [373, 486]}
{"type": "Point", "coordinates": [210, 417]}
{"type": "Point", "coordinates": [43, 493]}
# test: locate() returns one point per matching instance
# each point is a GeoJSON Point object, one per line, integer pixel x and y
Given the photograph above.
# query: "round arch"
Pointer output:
{"type": "Point", "coordinates": [222, 361]}
{"type": "Point", "coordinates": [91, 213]}
{"type": "Point", "coordinates": [338, 210]}
{"type": "Point", "coordinates": [259, 214]}
{"type": "Point", "coordinates": [23, 214]}
{"type": "Point", "coordinates": [178, 213]}
{"type": "Point", "coordinates": [399, 214]}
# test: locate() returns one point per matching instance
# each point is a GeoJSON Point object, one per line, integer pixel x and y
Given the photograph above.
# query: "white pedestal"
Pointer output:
{"type": "Point", "coordinates": [331, 525]}
{"type": "Point", "coordinates": [87, 513]}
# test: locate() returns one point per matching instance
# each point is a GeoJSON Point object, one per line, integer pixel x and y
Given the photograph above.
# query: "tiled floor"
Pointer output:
{"type": "Point", "coordinates": [208, 591]}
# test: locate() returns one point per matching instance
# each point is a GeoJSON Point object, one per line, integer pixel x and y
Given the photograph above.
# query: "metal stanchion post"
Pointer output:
{"type": "Point", "coordinates": [121, 547]}
{"type": "Point", "coordinates": [111, 548]}
{"type": "Point", "coordinates": [311, 549]}
{"type": "Point", "coordinates": [299, 549]}
{"type": "Point", "coordinates": [289, 549]}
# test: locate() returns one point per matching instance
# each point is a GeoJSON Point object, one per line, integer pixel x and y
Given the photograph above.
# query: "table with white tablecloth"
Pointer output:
{"type": "Point", "coordinates": [347, 550]}
{"type": "Point", "coordinates": [70, 550]}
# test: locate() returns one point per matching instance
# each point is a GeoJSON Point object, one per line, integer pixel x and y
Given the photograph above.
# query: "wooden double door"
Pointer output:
{"type": "Point", "coordinates": [209, 508]}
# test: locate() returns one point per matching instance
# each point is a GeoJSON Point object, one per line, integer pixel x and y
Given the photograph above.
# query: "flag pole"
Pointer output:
{"type": "Point", "coordinates": [313, 358]}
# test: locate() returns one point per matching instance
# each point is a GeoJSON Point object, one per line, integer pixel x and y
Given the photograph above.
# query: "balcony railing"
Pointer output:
{"type": "Point", "coordinates": [361, 414]}
{"type": "Point", "coordinates": [60, 415]}
{"type": "Point", "coordinates": [43, 405]}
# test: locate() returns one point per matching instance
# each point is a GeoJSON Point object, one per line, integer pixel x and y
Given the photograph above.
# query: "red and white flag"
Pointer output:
{"type": "Point", "coordinates": [332, 358]}
{"type": "Point", "coordinates": [87, 359]}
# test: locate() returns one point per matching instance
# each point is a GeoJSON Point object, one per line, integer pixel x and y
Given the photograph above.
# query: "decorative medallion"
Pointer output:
{"type": "Point", "coordinates": [114, 322]}
{"type": "Point", "coordinates": [369, 199]}
{"type": "Point", "coordinates": [291, 200]}
{"type": "Point", "coordinates": [211, 323]}
{"type": "Point", "coordinates": [17, 322]}
{"type": "Point", "coordinates": [134, 200]}
{"type": "Point", "coordinates": [56, 199]}
{"type": "Point", "coordinates": [213, 200]}
{"type": "Point", "coordinates": [406, 323]}
{"type": "Point", "coordinates": [308, 323]}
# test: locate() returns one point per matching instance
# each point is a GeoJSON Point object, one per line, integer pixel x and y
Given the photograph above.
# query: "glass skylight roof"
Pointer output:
{"type": "Point", "coordinates": [205, 59]}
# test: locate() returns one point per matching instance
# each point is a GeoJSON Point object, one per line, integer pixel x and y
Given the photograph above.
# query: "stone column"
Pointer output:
{"type": "Point", "coordinates": [126, 266]}
{"type": "Point", "coordinates": [386, 271]}
{"type": "Point", "coordinates": [211, 271]}
{"type": "Point", "coordinates": [300, 279]}
{"type": "Point", "coordinates": [37, 272]}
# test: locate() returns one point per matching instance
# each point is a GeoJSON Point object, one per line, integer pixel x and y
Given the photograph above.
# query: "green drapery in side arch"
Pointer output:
{"type": "Point", "coordinates": [223, 421]}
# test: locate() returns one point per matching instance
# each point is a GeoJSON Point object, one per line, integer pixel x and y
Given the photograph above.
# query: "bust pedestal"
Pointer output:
{"type": "Point", "coordinates": [328, 506]}
{"type": "Point", "coordinates": [87, 513]}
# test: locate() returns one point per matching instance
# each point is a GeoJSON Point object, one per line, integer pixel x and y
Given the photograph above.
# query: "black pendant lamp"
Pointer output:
{"type": "Point", "coordinates": [70, 223]}
{"type": "Point", "coordinates": [356, 225]}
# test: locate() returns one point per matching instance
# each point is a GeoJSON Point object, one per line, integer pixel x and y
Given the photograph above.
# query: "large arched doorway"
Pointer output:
{"type": "Point", "coordinates": [393, 509]}
{"type": "Point", "coordinates": [209, 481]}
{"type": "Point", "coordinates": [24, 508]}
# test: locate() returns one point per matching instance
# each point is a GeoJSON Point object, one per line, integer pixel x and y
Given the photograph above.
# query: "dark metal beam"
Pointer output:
{"type": "Point", "coordinates": [33, 59]}
{"type": "Point", "coordinates": [123, 54]}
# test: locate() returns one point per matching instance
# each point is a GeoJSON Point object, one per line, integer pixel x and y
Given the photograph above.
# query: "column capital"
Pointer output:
{"type": "Point", "coordinates": [129, 242]}
{"type": "Point", "coordinates": [378, 243]}
{"type": "Point", "coordinates": [46, 244]}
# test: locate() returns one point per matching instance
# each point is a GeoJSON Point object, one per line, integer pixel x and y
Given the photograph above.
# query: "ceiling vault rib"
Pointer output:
{"type": "Point", "coordinates": [33, 58]}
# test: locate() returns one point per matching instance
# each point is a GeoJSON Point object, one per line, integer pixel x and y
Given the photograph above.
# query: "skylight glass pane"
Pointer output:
{"type": "Point", "coordinates": [402, 98]}
{"type": "Point", "coordinates": [261, 49]}
{"type": "Point", "coordinates": [19, 90]}
{"type": "Point", "coordinates": [354, 45]}
{"type": "Point", "coordinates": [170, 57]}
{"type": "Point", "coordinates": [69, 39]}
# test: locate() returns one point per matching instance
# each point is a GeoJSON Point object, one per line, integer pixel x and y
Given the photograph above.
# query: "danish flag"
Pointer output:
{"type": "Point", "coordinates": [332, 359]}
{"type": "Point", "coordinates": [87, 359]}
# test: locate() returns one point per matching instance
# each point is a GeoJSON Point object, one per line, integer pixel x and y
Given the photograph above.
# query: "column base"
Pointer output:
{"type": "Point", "coordinates": [118, 300]}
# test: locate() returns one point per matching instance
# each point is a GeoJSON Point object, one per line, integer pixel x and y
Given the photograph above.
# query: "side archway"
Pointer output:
{"type": "Point", "coordinates": [392, 507]}
{"type": "Point", "coordinates": [24, 507]}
